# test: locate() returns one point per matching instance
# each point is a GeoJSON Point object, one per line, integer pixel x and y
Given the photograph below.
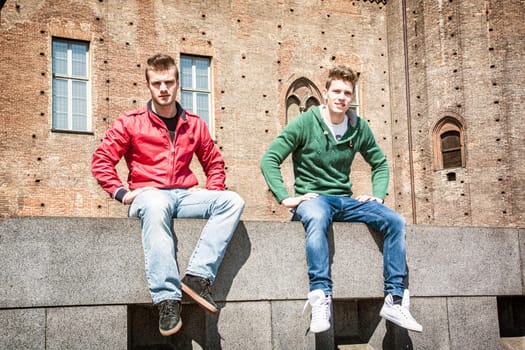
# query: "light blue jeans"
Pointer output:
{"type": "Point", "coordinates": [156, 210]}
{"type": "Point", "coordinates": [317, 215]}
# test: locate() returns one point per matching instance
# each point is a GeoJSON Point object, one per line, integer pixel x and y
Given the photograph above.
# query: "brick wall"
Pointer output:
{"type": "Point", "coordinates": [258, 50]}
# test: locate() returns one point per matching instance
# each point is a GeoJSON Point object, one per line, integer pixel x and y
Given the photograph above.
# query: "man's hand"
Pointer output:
{"type": "Point", "coordinates": [293, 202]}
{"type": "Point", "coordinates": [130, 196]}
{"type": "Point", "coordinates": [364, 198]}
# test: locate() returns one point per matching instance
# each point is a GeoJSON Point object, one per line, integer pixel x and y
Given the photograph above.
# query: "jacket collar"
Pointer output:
{"type": "Point", "coordinates": [181, 113]}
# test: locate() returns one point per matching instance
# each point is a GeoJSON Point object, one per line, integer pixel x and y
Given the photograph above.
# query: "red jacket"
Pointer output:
{"type": "Point", "coordinates": [153, 160]}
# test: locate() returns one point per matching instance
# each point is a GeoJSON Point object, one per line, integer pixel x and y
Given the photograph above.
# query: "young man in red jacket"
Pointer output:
{"type": "Point", "coordinates": [158, 142]}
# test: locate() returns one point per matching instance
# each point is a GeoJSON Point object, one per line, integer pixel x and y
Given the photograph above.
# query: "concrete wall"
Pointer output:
{"type": "Point", "coordinates": [79, 283]}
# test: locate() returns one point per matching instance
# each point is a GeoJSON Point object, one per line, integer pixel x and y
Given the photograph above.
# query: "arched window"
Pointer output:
{"type": "Point", "coordinates": [451, 149]}
{"type": "Point", "coordinates": [301, 96]}
{"type": "Point", "coordinates": [449, 145]}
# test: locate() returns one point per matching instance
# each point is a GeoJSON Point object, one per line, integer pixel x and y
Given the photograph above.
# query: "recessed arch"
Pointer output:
{"type": "Point", "coordinates": [301, 95]}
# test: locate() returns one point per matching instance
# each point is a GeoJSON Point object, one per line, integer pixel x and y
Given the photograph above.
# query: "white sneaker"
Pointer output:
{"type": "Point", "coordinates": [321, 311]}
{"type": "Point", "coordinates": [399, 314]}
{"type": "Point", "coordinates": [405, 302]}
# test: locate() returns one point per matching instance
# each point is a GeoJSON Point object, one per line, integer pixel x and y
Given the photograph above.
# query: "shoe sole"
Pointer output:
{"type": "Point", "coordinates": [171, 331]}
{"type": "Point", "coordinates": [320, 330]}
{"type": "Point", "coordinates": [388, 318]}
{"type": "Point", "coordinates": [200, 300]}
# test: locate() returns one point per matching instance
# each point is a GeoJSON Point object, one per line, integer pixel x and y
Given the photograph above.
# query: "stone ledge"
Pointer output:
{"type": "Point", "coordinates": [50, 261]}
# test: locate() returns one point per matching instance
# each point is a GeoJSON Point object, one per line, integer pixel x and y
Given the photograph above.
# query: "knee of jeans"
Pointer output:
{"type": "Point", "coordinates": [315, 217]}
{"type": "Point", "coordinates": [398, 224]}
{"type": "Point", "coordinates": [154, 206]}
{"type": "Point", "coordinates": [234, 199]}
{"type": "Point", "coordinates": [398, 220]}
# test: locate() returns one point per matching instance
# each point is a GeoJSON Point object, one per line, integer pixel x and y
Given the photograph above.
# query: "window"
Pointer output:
{"type": "Point", "coordinates": [355, 103]}
{"type": "Point", "coordinates": [301, 96]}
{"type": "Point", "coordinates": [448, 141]}
{"type": "Point", "coordinates": [71, 87]}
{"type": "Point", "coordinates": [195, 86]}
{"type": "Point", "coordinates": [451, 149]}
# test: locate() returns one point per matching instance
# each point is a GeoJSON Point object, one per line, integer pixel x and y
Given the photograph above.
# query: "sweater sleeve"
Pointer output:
{"type": "Point", "coordinates": [375, 157]}
{"type": "Point", "coordinates": [277, 152]}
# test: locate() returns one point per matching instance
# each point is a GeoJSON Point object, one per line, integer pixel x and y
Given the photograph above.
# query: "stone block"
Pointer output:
{"type": "Point", "coordinates": [90, 327]}
{"type": "Point", "coordinates": [246, 325]}
{"type": "Point", "coordinates": [431, 313]}
{"type": "Point", "coordinates": [264, 261]}
{"type": "Point", "coordinates": [71, 261]}
{"type": "Point", "coordinates": [473, 323]}
{"type": "Point", "coordinates": [23, 329]}
{"type": "Point", "coordinates": [357, 261]}
{"type": "Point", "coordinates": [463, 261]}
{"type": "Point", "coordinates": [289, 326]}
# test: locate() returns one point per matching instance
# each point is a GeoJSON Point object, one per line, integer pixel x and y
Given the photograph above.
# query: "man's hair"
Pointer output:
{"type": "Point", "coordinates": [341, 72]}
{"type": "Point", "coordinates": [161, 62]}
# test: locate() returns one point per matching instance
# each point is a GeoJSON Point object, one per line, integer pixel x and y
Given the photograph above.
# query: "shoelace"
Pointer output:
{"type": "Point", "coordinates": [321, 310]}
{"type": "Point", "coordinates": [205, 285]}
{"type": "Point", "coordinates": [169, 309]}
{"type": "Point", "coordinates": [404, 311]}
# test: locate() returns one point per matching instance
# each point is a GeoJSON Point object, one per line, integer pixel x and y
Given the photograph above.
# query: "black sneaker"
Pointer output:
{"type": "Point", "coordinates": [198, 289]}
{"type": "Point", "coordinates": [169, 317]}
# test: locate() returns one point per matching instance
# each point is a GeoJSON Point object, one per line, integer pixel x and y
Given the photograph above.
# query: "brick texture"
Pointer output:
{"type": "Point", "coordinates": [465, 59]}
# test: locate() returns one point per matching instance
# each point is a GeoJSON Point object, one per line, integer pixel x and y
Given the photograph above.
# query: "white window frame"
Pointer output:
{"type": "Point", "coordinates": [194, 90]}
{"type": "Point", "coordinates": [70, 78]}
{"type": "Point", "coordinates": [355, 104]}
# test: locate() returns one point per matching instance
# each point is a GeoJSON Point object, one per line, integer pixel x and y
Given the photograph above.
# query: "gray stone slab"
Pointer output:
{"type": "Point", "coordinates": [90, 261]}
{"type": "Point", "coordinates": [473, 323]}
{"type": "Point", "coordinates": [265, 260]}
{"type": "Point", "coordinates": [70, 261]}
{"type": "Point", "coordinates": [245, 325]}
{"type": "Point", "coordinates": [431, 313]}
{"type": "Point", "coordinates": [463, 261]}
{"type": "Point", "coordinates": [357, 261]}
{"type": "Point", "coordinates": [289, 326]}
{"type": "Point", "coordinates": [91, 327]}
{"type": "Point", "coordinates": [23, 329]}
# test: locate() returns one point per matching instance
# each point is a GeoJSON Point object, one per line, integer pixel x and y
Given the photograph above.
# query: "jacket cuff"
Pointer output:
{"type": "Point", "coordinates": [119, 194]}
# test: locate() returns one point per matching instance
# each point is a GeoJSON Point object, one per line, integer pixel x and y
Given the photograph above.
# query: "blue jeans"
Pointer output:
{"type": "Point", "coordinates": [156, 210]}
{"type": "Point", "coordinates": [317, 215]}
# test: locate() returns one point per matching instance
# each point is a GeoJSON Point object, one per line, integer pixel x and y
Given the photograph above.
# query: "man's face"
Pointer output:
{"type": "Point", "coordinates": [339, 96]}
{"type": "Point", "coordinates": [163, 86]}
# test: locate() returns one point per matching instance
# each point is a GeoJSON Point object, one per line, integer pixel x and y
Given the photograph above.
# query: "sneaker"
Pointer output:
{"type": "Point", "coordinates": [198, 288]}
{"type": "Point", "coordinates": [399, 314]}
{"type": "Point", "coordinates": [169, 317]}
{"type": "Point", "coordinates": [405, 302]}
{"type": "Point", "coordinates": [321, 311]}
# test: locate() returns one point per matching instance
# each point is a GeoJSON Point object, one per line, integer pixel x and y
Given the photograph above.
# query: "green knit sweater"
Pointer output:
{"type": "Point", "coordinates": [322, 164]}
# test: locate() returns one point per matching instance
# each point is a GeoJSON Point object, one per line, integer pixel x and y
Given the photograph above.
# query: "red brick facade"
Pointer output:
{"type": "Point", "coordinates": [465, 61]}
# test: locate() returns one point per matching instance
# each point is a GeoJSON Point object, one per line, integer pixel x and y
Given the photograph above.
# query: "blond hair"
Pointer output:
{"type": "Point", "coordinates": [161, 62]}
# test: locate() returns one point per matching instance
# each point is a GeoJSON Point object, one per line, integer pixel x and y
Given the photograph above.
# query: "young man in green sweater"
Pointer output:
{"type": "Point", "coordinates": [323, 143]}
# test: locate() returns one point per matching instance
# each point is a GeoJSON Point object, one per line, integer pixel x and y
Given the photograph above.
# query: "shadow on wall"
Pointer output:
{"type": "Point", "coordinates": [199, 327]}
{"type": "Point", "coordinates": [356, 321]}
